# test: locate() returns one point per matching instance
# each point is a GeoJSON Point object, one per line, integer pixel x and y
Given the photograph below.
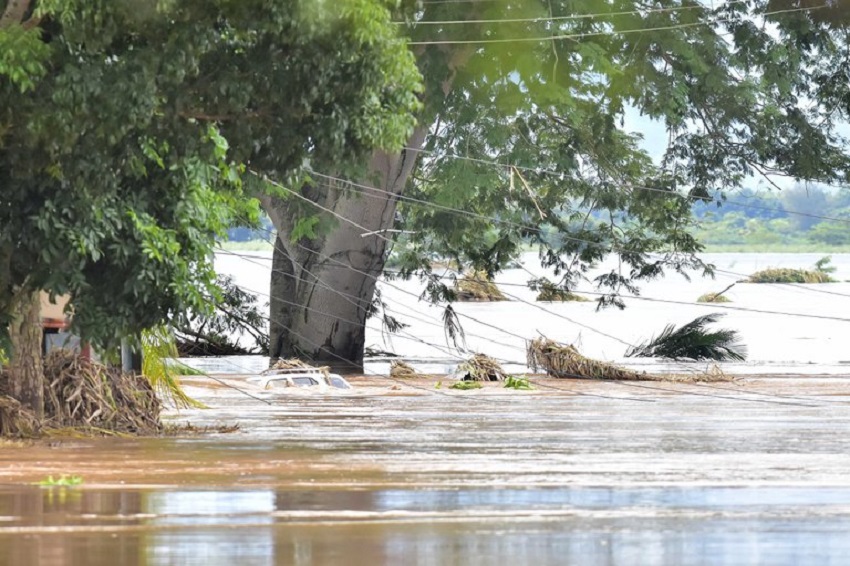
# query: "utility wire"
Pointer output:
{"type": "Point", "coordinates": [565, 18]}
{"type": "Point", "coordinates": [625, 384]}
{"type": "Point", "coordinates": [582, 35]}
{"type": "Point", "coordinates": [581, 393]}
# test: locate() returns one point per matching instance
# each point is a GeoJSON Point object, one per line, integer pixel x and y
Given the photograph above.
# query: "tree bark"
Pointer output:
{"type": "Point", "coordinates": [14, 12]}
{"type": "Point", "coordinates": [321, 289]}
{"type": "Point", "coordinates": [26, 371]}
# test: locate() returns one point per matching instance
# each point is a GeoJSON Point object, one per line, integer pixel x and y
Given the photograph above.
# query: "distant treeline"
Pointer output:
{"type": "Point", "coordinates": [804, 218]}
{"type": "Point", "coordinates": [771, 218]}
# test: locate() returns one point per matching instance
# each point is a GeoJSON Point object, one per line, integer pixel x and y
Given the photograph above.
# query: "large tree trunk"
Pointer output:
{"type": "Point", "coordinates": [321, 289]}
{"type": "Point", "coordinates": [26, 371]}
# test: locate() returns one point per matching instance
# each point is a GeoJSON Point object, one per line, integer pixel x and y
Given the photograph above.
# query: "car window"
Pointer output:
{"type": "Point", "coordinates": [304, 381]}
{"type": "Point", "coordinates": [339, 383]}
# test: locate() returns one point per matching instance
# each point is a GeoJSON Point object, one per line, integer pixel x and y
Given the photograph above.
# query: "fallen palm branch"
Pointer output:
{"type": "Point", "coordinates": [565, 361]}
{"type": "Point", "coordinates": [481, 368]}
{"type": "Point", "coordinates": [402, 370]}
{"type": "Point", "coordinates": [693, 341]}
{"type": "Point", "coordinates": [476, 286]}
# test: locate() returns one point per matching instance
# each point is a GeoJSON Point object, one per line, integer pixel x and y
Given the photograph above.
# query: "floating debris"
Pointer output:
{"type": "Point", "coordinates": [564, 361]}
{"type": "Point", "coordinates": [789, 275]}
{"type": "Point", "coordinates": [718, 297]}
{"type": "Point", "coordinates": [476, 286]}
{"type": "Point", "coordinates": [820, 274]}
{"type": "Point", "coordinates": [466, 385]}
{"type": "Point", "coordinates": [713, 298]}
{"type": "Point", "coordinates": [402, 370]}
{"type": "Point", "coordinates": [549, 292]}
{"type": "Point", "coordinates": [295, 364]}
{"type": "Point", "coordinates": [519, 383]}
{"type": "Point", "coordinates": [481, 368]}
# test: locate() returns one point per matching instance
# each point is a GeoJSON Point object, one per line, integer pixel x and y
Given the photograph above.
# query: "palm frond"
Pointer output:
{"type": "Point", "coordinates": [158, 346]}
{"type": "Point", "coordinates": [454, 329]}
{"type": "Point", "coordinates": [693, 341]}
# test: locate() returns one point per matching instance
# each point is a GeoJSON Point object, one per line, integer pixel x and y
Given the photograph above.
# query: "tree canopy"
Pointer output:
{"type": "Point", "coordinates": [125, 125]}
{"type": "Point", "coordinates": [536, 132]}
{"type": "Point", "coordinates": [525, 135]}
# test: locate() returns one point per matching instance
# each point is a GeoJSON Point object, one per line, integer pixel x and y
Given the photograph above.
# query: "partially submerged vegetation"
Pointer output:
{"type": "Point", "coordinates": [518, 383]}
{"type": "Point", "coordinates": [820, 274]}
{"type": "Point", "coordinates": [549, 292]}
{"type": "Point", "coordinates": [466, 385]}
{"type": "Point", "coordinates": [565, 361]}
{"type": "Point", "coordinates": [399, 369]}
{"type": "Point", "coordinates": [83, 394]}
{"type": "Point", "coordinates": [718, 297]}
{"type": "Point", "coordinates": [477, 286]}
{"type": "Point", "coordinates": [693, 341]}
{"type": "Point", "coordinates": [236, 315]}
{"type": "Point", "coordinates": [713, 298]}
{"type": "Point", "coordinates": [481, 368]}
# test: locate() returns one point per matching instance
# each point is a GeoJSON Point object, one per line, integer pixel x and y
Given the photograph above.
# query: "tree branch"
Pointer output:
{"type": "Point", "coordinates": [14, 13]}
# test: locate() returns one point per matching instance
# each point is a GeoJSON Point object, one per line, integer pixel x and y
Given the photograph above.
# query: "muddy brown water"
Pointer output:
{"type": "Point", "coordinates": [752, 472]}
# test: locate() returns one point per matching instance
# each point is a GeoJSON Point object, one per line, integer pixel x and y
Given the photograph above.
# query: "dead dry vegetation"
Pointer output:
{"type": "Point", "coordinates": [83, 395]}
{"type": "Point", "coordinates": [565, 361]}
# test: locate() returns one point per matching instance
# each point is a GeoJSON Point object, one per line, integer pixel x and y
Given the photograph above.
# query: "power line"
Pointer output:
{"type": "Point", "coordinates": [600, 33]}
{"type": "Point", "coordinates": [519, 363]}
{"type": "Point", "coordinates": [626, 384]}
{"type": "Point", "coordinates": [551, 172]}
{"type": "Point", "coordinates": [565, 18]}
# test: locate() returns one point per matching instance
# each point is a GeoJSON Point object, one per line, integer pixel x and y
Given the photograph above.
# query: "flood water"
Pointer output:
{"type": "Point", "coordinates": [589, 474]}
{"type": "Point", "coordinates": [756, 471]}
{"type": "Point", "coordinates": [786, 328]}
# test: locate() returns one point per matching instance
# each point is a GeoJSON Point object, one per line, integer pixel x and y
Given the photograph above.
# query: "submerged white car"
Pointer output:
{"type": "Point", "coordinates": [305, 378]}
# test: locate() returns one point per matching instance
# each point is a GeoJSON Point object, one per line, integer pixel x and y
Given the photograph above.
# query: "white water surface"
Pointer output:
{"type": "Point", "coordinates": [805, 332]}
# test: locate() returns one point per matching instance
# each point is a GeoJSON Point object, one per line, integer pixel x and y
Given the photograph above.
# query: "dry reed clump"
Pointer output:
{"type": "Point", "coordinates": [83, 394]}
{"type": "Point", "coordinates": [550, 293]}
{"type": "Point", "coordinates": [15, 421]}
{"type": "Point", "coordinates": [481, 368]}
{"type": "Point", "coordinates": [402, 370]}
{"type": "Point", "coordinates": [295, 363]}
{"type": "Point", "coordinates": [789, 275]}
{"type": "Point", "coordinates": [564, 361]}
{"type": "Point", "coordinates": [713, 298]}
{"type": "Point", "coordinates": [476, 286]}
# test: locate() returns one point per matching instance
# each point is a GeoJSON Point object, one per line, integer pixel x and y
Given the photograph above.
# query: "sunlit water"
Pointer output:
{"type": "Point", "coordinates": [586, 473]}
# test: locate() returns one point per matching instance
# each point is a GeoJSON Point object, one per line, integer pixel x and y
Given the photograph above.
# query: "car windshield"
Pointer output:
{"type": "Point", "coordinates": [338, 382]}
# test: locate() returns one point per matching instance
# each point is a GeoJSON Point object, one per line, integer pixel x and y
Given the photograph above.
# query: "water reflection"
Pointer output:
{"type": "Point", "coordinates": [605, 526]}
